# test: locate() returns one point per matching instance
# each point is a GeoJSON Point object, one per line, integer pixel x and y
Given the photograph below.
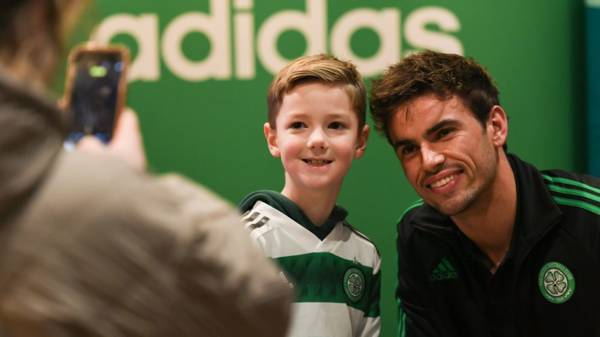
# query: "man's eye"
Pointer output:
{"type": "Point", "coordinates": [297, 125]}
{"type": "Point", "coordinates": [407, 149]}
{"type": "Point", "coordinates": [337, 125]}
{"type": "Point", "coordinates": [443, 133]}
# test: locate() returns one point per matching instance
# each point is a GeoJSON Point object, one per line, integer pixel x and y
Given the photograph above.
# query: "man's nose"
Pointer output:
{"type": "Point", "coordinates": [431, 157]}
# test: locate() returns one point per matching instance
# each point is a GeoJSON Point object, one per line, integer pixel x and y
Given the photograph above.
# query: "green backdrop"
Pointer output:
{"type": "Point", "coordinates": [201, 70]}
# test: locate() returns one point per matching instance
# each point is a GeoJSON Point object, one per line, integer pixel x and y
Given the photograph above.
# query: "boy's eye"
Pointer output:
{"type": "Point", "coordinates": [297, 125]}
{"type": "Point", "coordinates": [337, 125]}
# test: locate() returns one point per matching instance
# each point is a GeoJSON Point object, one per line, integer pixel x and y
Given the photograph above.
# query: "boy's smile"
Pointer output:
{"type": "Point", "coordinates": [317, 162]}
{"type": "Point", "coordinates": [317, 137]}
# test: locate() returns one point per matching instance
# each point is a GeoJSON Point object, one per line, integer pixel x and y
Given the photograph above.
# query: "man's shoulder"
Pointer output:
{"type": "Point", "coordinates": [570, 178]}
{"type": "Point", "coordinates": [410, 211]}
{"type": "Point", "coordinates": [573, 192]}
{"type": "Point", "coordinates": [425, 244]}
{"type": "Point", "coordinates": [420, 214]}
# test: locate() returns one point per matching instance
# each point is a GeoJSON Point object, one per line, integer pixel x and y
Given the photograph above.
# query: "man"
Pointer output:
{"type": "Point", "coordinates": [91, 246]}
{"type": "Point", "coordinates": [495, 247]}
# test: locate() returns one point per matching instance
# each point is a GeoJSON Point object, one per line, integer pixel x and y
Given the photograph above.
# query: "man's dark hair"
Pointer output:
{"type": "Point", "coordinates": [436, 73]}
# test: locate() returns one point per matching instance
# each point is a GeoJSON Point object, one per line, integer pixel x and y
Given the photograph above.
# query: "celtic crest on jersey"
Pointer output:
{"type": "Point", "coordinates": [354, 284]}
{"type": "Point", "coordinates": [556, 282]}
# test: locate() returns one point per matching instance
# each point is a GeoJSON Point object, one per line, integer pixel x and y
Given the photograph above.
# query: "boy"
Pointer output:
{"type": "Point", "coordinates": [317, 127]}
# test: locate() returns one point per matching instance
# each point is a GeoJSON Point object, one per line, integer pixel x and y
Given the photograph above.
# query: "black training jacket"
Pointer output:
{"type": "Point", "coordinates": [548, 284]}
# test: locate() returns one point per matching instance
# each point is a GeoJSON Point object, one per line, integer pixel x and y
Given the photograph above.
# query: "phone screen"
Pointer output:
{"type": "Point", "coordinates": [94, 94]}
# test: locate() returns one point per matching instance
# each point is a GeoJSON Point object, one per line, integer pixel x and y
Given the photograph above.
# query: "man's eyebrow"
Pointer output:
{"type": "Point", "coordinates": [401, 142]}
{"type": "Point", "coordinates": [440, 125]}
{"type": "Point", "coordinates": [432, 130]}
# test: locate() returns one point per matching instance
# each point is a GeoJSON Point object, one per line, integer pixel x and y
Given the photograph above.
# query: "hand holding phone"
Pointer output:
{"type": "Point", "coordinates": [126, 144]}
{"type": "Point", "coordinates": [95, 90]}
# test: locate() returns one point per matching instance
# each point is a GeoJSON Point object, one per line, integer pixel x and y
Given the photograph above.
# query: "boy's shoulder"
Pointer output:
{"type": "Point", "coordinates": [265, 210]}
{"type": "Point", "coordinates": [249, 201]}
{"type": "Point", "coordinates": [354, 246]}
{"type": "Point", "coordinates": [360, 238]}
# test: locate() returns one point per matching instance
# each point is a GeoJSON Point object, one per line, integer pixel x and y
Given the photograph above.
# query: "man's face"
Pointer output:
{"type": "Point", "coordinates": [317, 137]}
{"type": "Point", "coordinates": [448, 157]}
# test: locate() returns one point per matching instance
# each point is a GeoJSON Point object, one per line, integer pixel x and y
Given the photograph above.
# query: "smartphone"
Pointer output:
{"type": "Point", "coordinates": [95, 90]}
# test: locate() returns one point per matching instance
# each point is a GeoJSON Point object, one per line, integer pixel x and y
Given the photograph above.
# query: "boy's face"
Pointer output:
{"type": "Point", "coordinates": [316, 136]}
{"type": "Point", "coordinates": [447, 156]}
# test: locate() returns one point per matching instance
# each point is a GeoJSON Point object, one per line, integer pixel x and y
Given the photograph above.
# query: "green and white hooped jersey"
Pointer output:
{"type": "Point", "coordinates": [336, 280]}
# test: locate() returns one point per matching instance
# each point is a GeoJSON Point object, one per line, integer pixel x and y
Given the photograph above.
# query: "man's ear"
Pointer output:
{"type": "Point", "coordinates": [361, 144]}
{"type": "Point", "coordinates": [498, 125]}
{"type": "Point", "coordinates": [271, 137]}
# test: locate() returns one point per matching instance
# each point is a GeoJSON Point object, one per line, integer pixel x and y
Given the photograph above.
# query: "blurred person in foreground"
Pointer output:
{"type": "Point", "coordinates": [92, 246]}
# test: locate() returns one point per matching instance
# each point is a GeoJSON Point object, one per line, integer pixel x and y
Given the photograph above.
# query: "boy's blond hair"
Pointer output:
{"type": "Point", "coordinates": [320, 68]}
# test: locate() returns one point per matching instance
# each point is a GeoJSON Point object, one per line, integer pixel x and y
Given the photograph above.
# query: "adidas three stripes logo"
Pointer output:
{"type": "Point", "coordinates": [573, 193]}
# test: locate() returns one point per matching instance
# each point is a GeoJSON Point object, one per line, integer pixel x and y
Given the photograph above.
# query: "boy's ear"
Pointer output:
{"type": "Point", "coordinates": [271, 137]}
{"type": "Point", "coordinates": [361, 144]}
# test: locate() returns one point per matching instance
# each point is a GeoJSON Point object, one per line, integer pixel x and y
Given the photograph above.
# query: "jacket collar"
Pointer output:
{"type": "Point", "coordinates": [31, 134]}
{"type": "Point", "coordinates": [294, 212]}
{"type": "Point", "coordinates": [536, 210]}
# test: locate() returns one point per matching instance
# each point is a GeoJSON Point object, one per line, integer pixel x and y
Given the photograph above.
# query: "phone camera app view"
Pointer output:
{"type": "Point", "coordinates": [93, 101]}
